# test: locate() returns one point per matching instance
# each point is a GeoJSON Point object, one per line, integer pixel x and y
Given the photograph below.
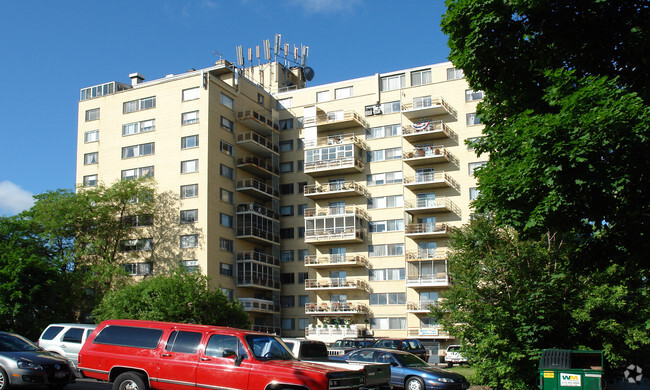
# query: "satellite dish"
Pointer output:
{"type": "Point", "coordinates": [308, 72]}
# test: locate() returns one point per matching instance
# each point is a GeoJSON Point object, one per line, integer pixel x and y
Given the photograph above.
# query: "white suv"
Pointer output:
{"type": "Point", "coordinates": [65, 339]}
{"type": "Point", "coordinates": [453, 355]}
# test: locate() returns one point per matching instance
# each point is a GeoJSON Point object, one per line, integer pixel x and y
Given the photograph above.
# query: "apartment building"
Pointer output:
{"type": "Point", "coordinates": [326, 210]}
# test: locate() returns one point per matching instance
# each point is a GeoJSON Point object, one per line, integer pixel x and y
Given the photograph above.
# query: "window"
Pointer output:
{"type": "Point", "coordinates": [189, 166]}
{"type": "Point", "coordinates": [286, 146]}
{"type": "Point", "coordinates": [303, 300]}
{"type": "Point", "coordinates": [90, 181]}
{"type": "Point", "coordinates": [286, 167]}
{"type": "Point", "coordinates": [138, 127]}
{"type": "Point", "coordinates": [286, 189]}
{"type": "Point", "coordinates": [91, 136]}
{"type": "Point", "coordinates": [300, 122]}
{"type": "Point", "coordinates": [227, 196]}
{"type": "Point", "coordinates": [286, 256]}
{"type": "Point", "coordinates": [473, 193]}
{"type": "Point", "coordinates": [391, 225]}
{"type": "Point", "coordinates": [139, 105]}
{"type": "Point", "coordinates": [129, 336]}
{"type": "Point", "coordinates": [453, 74]}
{"type": "Point", "coordinates": [302, 253]}
{"type": "Point", "coordinates": [302, 276]}
{"type": "Point", "coordinates": [375, 275]}
{"type": "Point", "coordinates": [472, 167]}
{"type": "Point", "coordinates": [226, 171]}
{"type": "Point", "coordinates": [225, 220]}
{"type": "Point", "coordinates": [190, 265]}
{"type": "Point", "coordinates": [301, 184]}
{"type": "Point", "coordinates": [191, 141]}
{"type": "Point", "coordinates": [384, 154]}
{"type": "Point", "coordinates": [136, 173]}
{"type": "Point", "coordinates": [288, 301]}
{"type": "Point", "coordinates": [227, 101]}
{"type": "Point", "coordinates": [287, 278]}
{"type": "Point", "coordinates": [260, 98]}
{"type": "Point", "coordinates": [303, 323]}
{"type": "Point", "coordinates": [226, 148]}
{"type": "Point", "coordinates": [383, 202]}
{"type": "Point", "coordinates": [230, 294]}
{"type": "Point", "coordinates": [472, 140]}
{"type": "Point", "coordinates": [227, 124]}
{"type": "Point", "coordinates": [189, 191]}
{"type": "Point", "coordinates": [189, 216]}
{"type": "Point", "coordinates": [301, 144]}
{"type": "Point", "coordinates": [471, 95]}
{"type": "Point", "coordinates": [285, 103]}
{"type": "Point", "coordinates": [138, 220]}
{"type": "Point", "coordinates": [138, 150]}
{"type": "Point", "coordinates": [387, 298]}
{"type": "Point", "coordinates": [286, 233]}
{"type": "Point", "coordinates": [389, 83]}
{"type": "Point", "coordinates": [388, 323]}
{"type": "Point", "coordinates": [191, 94]}
{"type": "Point", "coordinates": [189, 241]}
{"type": "Point", "coordinates": [188, 118]}
{"type": "Point", "coordinates": [383, 131]}
{"type": "Point", "coordinates": [420, 77]}
{"type": "Point", "coordinates": [138, 269]}
{"type": "Point", "coordinates": [225, 269]}
{"type": "Point", "coordinates": [90, 158]}
{"type": "Point", "coordinates": [286, 211]}
{"type": "Point", "coordinates": [301, 167]}
{"type": "Point", "coordinates": [322, 96]}
{"type": "Point", "coordinates": [183, 342]}
{"type": "Point", "coordinates": [386, 250]}
{"type": "Point", "coordinates": [384, 178]}
{"type": "Point", "coordinates": [226, 244]}
{"type": "Point", "coordinates": [473, 119]}
{"type": "Point", "coordinates": [141, 244]}
{"type": "Point", "coordinates": [342, 93]}
{"type": "Point", "coordinates": [301, 209]}
{"type": "Point", "coordinates": [390, 107]}
{"type": "Point", "coordinates": [288, 324]}
{"type": "Point", "coordinates": [286, 124]}
{"type": "Point", "coordinates": [301, 232]}
{"type": "Point", "coordinates": [73, 335]}
{"type": "Point", "coordinates": [92, 114]}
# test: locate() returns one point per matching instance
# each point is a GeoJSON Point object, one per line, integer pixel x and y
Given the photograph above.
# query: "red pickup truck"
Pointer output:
{"type": "Point", "coordinates": [142, 355]}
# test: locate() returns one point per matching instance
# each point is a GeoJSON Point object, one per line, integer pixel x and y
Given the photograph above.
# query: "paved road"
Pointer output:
{"type": "Point", "coordinates": [89, 384]}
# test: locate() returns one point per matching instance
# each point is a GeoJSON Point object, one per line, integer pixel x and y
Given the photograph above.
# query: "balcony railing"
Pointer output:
{"type": "Point", "coordinates": [257, 279]}
{"type": "Point", "coordinates": [423, 306]}
{"type": "Point", "coordinates": [336, 260]}
{"type": "Point", "coordinates": [266, 329]}
{"type": "Point", "coordinates": [257, 234]}
{"type": "Point", "coordinates": [432, 179]}
{"type": "Point", "coordinates": [333, 121]}
{"type": "Point", "coordinates": [336, 140]}
{"type": "Point", "coordinates": [258, 209]}
{"type": "Point", "coordinates": [257, 144]}
{"type": "Point", "coordinates": [257, 166]}
{"type": "Point", "coordinates": [337, 211]}
{"type": "Point", "coordinates": [422, 107]}
{"type": "Point", "coordinates": [431, 205]}
{"type": "Point", "coordinates": [348, 164]}
{"type": "Point", "coordinates": [259, 305]}
{"type": "Point", "coordinates": [440, 279]}
{"type": "Point", "coordinates": [336, 283]}
{"type": "Point", "coordinates": [257, 187]}
{"type": "Point", "coordinates": [258, 257]}
{"type": "Point", "coordinates": [333, 235]}
{"type": "Point", "coordinates": [425, 255]}
{"type": "Point", "coordinates": [428, 130]}
{"type": "Point", "coordinates": [337, 189]}
{"type": "Point", "coordinates": [429, 154]}
{"type": "Point", "coordinates": [336, 308]}
{"type": "Point", "coordinates": [428, 228]}
{"type": "Point", "coordinates": [258, 121]}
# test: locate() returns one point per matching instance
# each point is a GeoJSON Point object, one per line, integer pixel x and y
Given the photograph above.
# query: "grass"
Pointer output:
{"type": "Point", "coordinates": [464, 370]}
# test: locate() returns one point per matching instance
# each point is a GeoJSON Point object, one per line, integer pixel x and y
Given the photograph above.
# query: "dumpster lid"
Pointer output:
{"type": "Point", "coordinates": [555, 358]}
{"type": "Point", "coordinates": [568, 359]}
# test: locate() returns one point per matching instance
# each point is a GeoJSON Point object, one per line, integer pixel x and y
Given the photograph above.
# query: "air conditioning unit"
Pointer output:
{"type": "Point", "coordinates": [369, 111]}
{"type": "Point", "coordinates": [376, 110]}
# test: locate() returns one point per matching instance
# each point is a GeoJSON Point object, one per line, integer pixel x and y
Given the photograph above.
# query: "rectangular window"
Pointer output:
{"type": "Point", "coordinates": [288, 324]}
{"type": "Point", "coordinates": [389, 83]}
{"type": "Point", "coordinates": [191, 141]}
{"type": "Point", "coordinates": [384, 131]}
{"type": "Point", "coordinates": [301, 209]}
{"type": "Point", "coordinates": [386, 250]}
{"type": "Point", "coordinates": [228, 292]}
{"type": "Point", "coordinates": [302, 276]}
{"type": "Point", "coordinates": [138, 150]}
{"type": "Point", "coordinates": [287, 232]}
{"type": "Point", "coordinates": [91, 158]}
{"type": "Point", "coordinates": [225, 269]}
{"type": "Point", "coordinates": [342, 93]}
{"type": "Point", "coordinates": [472, 167]}
{"type": "Point", "coordinates": [90, 181]}
{"type": "Point", "coordinates": [188, 118]}
{"type": "Point", "coordinates": [301, 184]}
{"type": "Point", "coordinates": [189, 191]}
{"type": "Point", "coordinates": [286, 211]}
{"type": "Point", "coordinates": [191, 94]}
{"type": "Point", "coordinates": [139, 127]}
{"type": "Point", "coordinates": [288, 301]}
{"type": "Point", "coordinates": [91, 136]}
{"type": "Point", "coordinates": [383, 202]}
{"type": "Point", "coordinates": [387, 298]}
{"type": "Point", "coordinates": [136, 173]}
{"type": "Point", "coordinates": [473, 119]}
{"type": "Point", "coordinates": [377, 275]}
{"type": "Point", "coordinates": [388, 323]}
{"type": "Point", "coordinates": [189, 166]}
{"type": "Point", "coordinates": [453, 74]}
{"type": "Point", "coordinates": [390, 107]}
{"type": "Point", "coordinates": [92, 114]}
{"type": "Point", "coordinates": [225, 220]}
{"type": "Point", "coordinates": [283, 104]}
{"type": "Point", "coordinates": [303, 300]}
{"type": "Point", "coordinates": [138, 220]}
{"type": "Point", "coordinates": [420, 77]}
{"type": "Point", "coordinates": [227, 124]}
{"type": "Point", "coordinates": [226, 244]}
{"type": "Point", "coordinates": [473, 193]}
{"type": "Point", "coordinates": [384, 154]}
{"type": "Point", "coordinates": [302, 253]}
{"type": "Point", "coordinates": [286, 124]}
{"type": "Point", "coordinates": [226, 171]}
{"type": "Point", "coordinates": [138, 269]}
{"type": "Point", "coordinates": [139, 105]}
{"type": "Point", "coordinates": [286, 189]}
{"type": "Point", "coordinates": [286, 146]}
{"type": "Point", "coordinates": [322, 96]}
{"type": "Point", "coordinates": [471, 95]}
{"type": "Point", "coordinates": [301, 167]}
{"type": "Point", "coordinates": [384, 178]}
{"type": "Point", "coordinates": [226, 148]}
{"type": "Point", "coordinates": [227, 196]}
{"type": "Point", "coordinates": [260, 98]}
{"type": "Point", "coordinates": [287, 278]}
{"type": "Point", "coordinates": [190, 265]}
{"type": "Point", "coordinates": [286, 167]}
{"type": "Point", "coordinates": [303, 323]}
{"type": "Point", "coordinates": [391, 225]}
{"type": "Point", "coordinates": [301, 232]}
{"type": "Point", "coordinates": [189, 216]}
{"type": "Point", "coordinates": [286, 256]}
{"type": "Point", "coordinates": [227, 101]}
{"type": "Point", "coordinates": [189, 241]}
{"type": "Point", "coordinates": [141, 244]}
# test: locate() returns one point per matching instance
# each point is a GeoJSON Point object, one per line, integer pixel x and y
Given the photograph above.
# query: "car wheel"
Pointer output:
{"type": "Point", "coordinates": [129, 381]}
{"type": "Point", "coordinates": [414, 383]}
{"type": "Point", "coordinates": [4, 380]}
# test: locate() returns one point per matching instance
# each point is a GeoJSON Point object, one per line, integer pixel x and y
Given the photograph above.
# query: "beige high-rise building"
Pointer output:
{"type": "Point", "coordinates": [325, 210]}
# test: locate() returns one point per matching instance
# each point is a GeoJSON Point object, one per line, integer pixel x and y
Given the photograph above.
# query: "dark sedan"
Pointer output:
{"type": "Point", "coordinates": [407, 370]}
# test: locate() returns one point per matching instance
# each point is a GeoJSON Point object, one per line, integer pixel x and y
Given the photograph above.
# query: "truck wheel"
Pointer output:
{"type": "Point", "coordinates": [414, 383]}
{"type": "Point", "coordinates": [129, 381]}
{"type": "Point", "coordinates": [4, 380]}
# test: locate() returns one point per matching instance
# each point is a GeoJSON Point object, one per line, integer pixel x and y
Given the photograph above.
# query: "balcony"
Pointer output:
{"type": "Point", "coordinates": [257, 167]}
{"type": "Point", "coordinates": [335, 235]}
{"type": "Point", "coordinates": [258, 234]}
{"type": "Point", "coordinates": [257, 257]}
{"type": "Point", "coordinates": [332, 140]}
{"type": "Point", "coordinates": [258, 121]}
{"type": "Point", "coordinates": [336, 309]}
{"type": "Point", "coordinates": [427, 230]}
{"type": "Point", "coordinates": [330, 333]}
{"type": "Point", "coordinates": [257, 270]}
{"type": "Point", "coordinates": [266, 329]}
{"type": "Point", "coordinates": [428, 130]}
{"type": "Point", "coordinates": [427, 106]}
{"type": "Point", "coordinates": [337, 211]}
{"type": "Point", "coordinates": [427, 155]}
{"type": "Point", "coordinates": [255, 305]}
{"type": "Point", "coordinates": [257, 144]}
{"type": "Point", "coordinates": [421, 255]}
{"type": "Point", "coordinates": [336, 190]}
{"type": "Point", "coordinates": [244, 208]}
{"type": "Point", "coordinates": [429, 333]}
{"type": "Point", "coordinates": [331, 261]}
{"type": "Point", "coordinates": [257, 189]}
{"type": "Point", "coordinates": [427, 206]}
{"type": "Point", "coordinates": [422, 307]}
{"type": "Point", "coordinates": [430, 180]}
{"type": "Point", "coordinates": [335, 120]}
{"type": "Point", "coordinates": [440, 279]}
{"type": "Point", "coordinates": [336, 284]}
{"type": "Point", "coordinates": [339, 166]}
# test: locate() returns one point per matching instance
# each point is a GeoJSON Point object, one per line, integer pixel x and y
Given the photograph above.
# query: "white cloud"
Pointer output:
{"type": "Point", "coordinates": [325, 6]}
{"type": "Point", "coordinates": [14, 199]}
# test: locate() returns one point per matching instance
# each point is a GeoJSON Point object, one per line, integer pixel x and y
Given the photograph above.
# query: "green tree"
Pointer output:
{"type": "Point", "coordinates": [180, 296]}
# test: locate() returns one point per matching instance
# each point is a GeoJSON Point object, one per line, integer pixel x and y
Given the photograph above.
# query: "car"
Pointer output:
{"type": "Point", "coordinates": [453, 356]}
{"type": "Point", "coordinates": [407, 370]}
{"type": "Point", "coordinates": [65, 339]}
{"type": "Point", "coordinates": [346, 345]}
{"type": "Point", "coordinates": [23, 363]}
{"type": "Point", "coordinates": [413, 346]}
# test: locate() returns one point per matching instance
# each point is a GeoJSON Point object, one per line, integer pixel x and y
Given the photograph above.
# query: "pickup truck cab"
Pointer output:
{"type": "Point", "coordinates": [376, 375]}
{"type": "Point", "coordinates": [141, 355]}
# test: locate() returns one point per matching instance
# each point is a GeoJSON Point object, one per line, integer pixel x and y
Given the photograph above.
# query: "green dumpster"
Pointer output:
{"type": "Point", "coordinates": [567, 369]}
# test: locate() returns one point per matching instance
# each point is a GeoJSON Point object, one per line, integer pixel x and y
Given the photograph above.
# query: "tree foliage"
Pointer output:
{"type": "Point", "coordinates": [179, 296]}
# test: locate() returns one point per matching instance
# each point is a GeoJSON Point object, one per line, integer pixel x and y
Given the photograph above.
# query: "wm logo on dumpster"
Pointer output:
{"type": "Point", "coordinates": [571, 380]}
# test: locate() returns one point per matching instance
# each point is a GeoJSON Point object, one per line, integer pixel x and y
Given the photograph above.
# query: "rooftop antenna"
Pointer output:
{"type": "Point", "coordinates": [239, 56]}
{"type": "Point", "coordinates": [267, 50]}
{"type": "Point", "coordinates": [217, 53]}
{"type": "Point", "coordinates": [278, 38]}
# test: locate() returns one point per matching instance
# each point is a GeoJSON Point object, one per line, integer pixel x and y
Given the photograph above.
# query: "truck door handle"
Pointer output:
{"type": "Point", "coordinates": [205, 359]}
{"type": "Point", "coordinates": [166, 355]}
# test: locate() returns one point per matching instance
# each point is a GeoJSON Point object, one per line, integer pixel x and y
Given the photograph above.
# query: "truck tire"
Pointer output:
{"type": "Point", "coordinates": [4, 380]}
{"type": "Point", "coordinates": [130, 380]}
{"type": "Point", "coordinates": [414, 383]}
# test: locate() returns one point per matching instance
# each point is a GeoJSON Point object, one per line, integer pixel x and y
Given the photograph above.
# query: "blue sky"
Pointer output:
{"type": "Point", "coordinates": [52, 49]}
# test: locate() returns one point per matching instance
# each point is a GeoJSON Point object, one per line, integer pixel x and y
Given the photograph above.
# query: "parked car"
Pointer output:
{"type": "Point", "coordinates": [453, 356]}
{"type": "Point", "coordinates": [375, 375]}
{"type": "Point", "coordinates": [413, 346]}
{"type": "Point", "coordinates": [65, 339]}
{"type": "Point", "coordinates": [23, 363]}
{"type": "Point", "coordinates": [346, 345]}
{"type": "Point", "coordinates": [407, 370]}
{"type": "Point", "coordinates": [142, 355]}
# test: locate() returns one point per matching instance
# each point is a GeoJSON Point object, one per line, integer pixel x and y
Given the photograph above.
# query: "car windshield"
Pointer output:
{"type": "Point", "coordinates": [409, 360]}
{"type": "Point", "coordinates": [453, 349]}
{"type": "Point", "coordinates": [14, 343]}
{"type": "Point", "coordinates": [268, 348]}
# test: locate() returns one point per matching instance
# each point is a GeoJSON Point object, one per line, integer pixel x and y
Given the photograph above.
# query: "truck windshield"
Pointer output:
{"type": "Point", "coordinates": [268, 348]}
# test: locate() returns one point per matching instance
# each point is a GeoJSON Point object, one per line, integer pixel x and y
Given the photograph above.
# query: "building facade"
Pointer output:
{"type": "Point", "coordinates": [325, 210]}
